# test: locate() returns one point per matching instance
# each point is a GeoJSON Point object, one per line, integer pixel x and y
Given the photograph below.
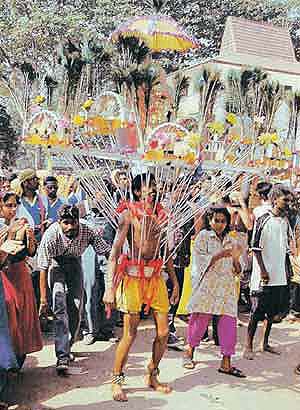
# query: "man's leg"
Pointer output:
{"type": "Point", "coordinates": [74, 281]}
{"type": "Point", "coordinates": [131, 322]}
{"type": "Point", "coordinates": [273, 306]}
{"type": "Point", "coordinates": [173, 308]}
{"type": "Point", "coordinates": [172, 341]}
{"type": "Point", "coordinates": [90, 305]}
{"type": "Point", "coordinates": [255, 317]}
{"type": "Point", "coordinates": [61, 320]}
{"type": "Point", "coordinates": [158, 349]}
{"type": "Point", "coordinates": [3, 385]}
{"type": "Point", "coordinates": [266, 333]}
{"type": "Point", "coordinates": [215, 322]}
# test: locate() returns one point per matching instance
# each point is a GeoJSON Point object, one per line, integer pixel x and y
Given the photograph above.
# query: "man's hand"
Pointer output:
{"type": "Point", "coordinates": [109, 301]}
{"type": "Point", "coordinates": [264, 277]}
{"type": "Point", "coordinates": [174, 299]}
{"type": "Point", "coordinates": [43, 308]}
{"type": "Point", "coordinates": [109, 297]}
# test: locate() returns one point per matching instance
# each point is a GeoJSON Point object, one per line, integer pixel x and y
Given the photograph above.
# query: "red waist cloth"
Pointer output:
{"type": "Point", "coordinates": [22, 312]}
{"type": "Point", "coordinates": [149, 292]}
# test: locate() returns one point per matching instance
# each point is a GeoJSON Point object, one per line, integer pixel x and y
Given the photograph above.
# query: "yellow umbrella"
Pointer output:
{"type": "Point", "coordinates": [159, 33]}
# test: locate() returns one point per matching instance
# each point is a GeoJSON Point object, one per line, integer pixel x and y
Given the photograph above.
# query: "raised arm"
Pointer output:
{"type": "Point", "coordinates": [245, 214]}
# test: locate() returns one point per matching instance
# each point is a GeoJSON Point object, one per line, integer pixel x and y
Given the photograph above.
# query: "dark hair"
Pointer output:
{"type": "Point", "coordinates": [217, 210]}
{"type": "Point", "coordinates": [279, 190]}
{"type": "Point", "coordinates": [68, 212]}
{"type": "Point", "coordinates": [50, 178]}
{"type": "Point", "coordinates": [4, 196]}
{"type": "Point", "coordinates": [138, 181]}
{"type": "Point", "coordinates": [12, 177]}
{"type": "Point", "coordinates": [263, 189]}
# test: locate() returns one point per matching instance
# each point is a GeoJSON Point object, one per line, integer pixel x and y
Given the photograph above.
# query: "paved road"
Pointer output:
{"type": "Point", "coordinates": [271, 383]}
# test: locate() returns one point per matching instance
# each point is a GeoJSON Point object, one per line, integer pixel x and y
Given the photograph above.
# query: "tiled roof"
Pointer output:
{"type": "Point", "coordinates": [259, 39]}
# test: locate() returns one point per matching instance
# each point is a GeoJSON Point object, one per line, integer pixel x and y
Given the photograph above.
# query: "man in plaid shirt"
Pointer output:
{"type": "Point", "coordinates": [59, 260]}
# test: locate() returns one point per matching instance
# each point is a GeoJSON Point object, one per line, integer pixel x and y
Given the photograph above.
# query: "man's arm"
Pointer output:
{"type": "Point", "coordinates": [116, 250]}
{"type": "Point", "coordinates": [257, 246]}
{"type": "Point", "coordinates": [45, 254]}
{"type": "Point", "coordinates": [43, 288]}
{"type": "Point", "coordinates": [174, 299]}
{"type": "Point", "coordinates": [263, 271]}
{"type": "Point", "coordinates": [245, 214]}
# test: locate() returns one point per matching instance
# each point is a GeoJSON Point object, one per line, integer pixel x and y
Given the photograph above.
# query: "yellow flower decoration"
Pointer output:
{"type": "Point", "coordinates": [247, 141]}
{"type": "Point", "coordinates": [88, 103]}
{"type": "Point", "coordinates": [154, 155]}
{"type": "Point", "coordinates": [193, 140]}
{"type": "Point", "coordinates": [190, 158]}
{"type": "Point", "coordinates": [287, 152]}
{"type": "Point", "coordinates": [267, 138]}
{"type": "Point", "coordinates": [233, 234]}
{"type": "Point", "coordinates": [274, 138]}
{"type": "Point", "coordinates": [78, 121]}
{"type": "Point", "coordinates": [235, 138]}
{"type": "Point", "coordinates": [216, 127]}
{"type": "Point", "coordinates": [39, 99]}
{"type": "Point", "coordinates": [230, 158]}
{"type": "Point", "coordinates": [231, 119]}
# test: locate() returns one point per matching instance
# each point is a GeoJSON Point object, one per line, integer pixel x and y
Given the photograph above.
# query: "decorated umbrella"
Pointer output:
{"type": "Point", "coordinates": [159, 33]}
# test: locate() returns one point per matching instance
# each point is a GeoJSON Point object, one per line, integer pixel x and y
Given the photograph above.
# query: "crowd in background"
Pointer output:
{"type": "Point", "coordinates": [242, 255]}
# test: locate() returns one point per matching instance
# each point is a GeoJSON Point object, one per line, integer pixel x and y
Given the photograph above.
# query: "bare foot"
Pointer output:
{"type": "Point", "coordinates": [248, 354]}
{"type": "Point", "coordinates": [270, 349]}
{"type": "Point", "coordinates": [118, 392]}
{"type": "Point", "coordinates": [297, 370]}
{"type": "Point", "coordinates": [153, 382]}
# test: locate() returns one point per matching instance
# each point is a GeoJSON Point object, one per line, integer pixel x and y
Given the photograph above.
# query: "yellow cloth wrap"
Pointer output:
{"type": "Point", "coordinates": [187, 288]}
{"type": "Point", "coordinates": [132, 293]}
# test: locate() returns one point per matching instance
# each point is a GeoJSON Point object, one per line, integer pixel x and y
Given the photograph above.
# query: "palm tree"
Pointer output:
{"type": "Point", "coordinates": [244, 96]}
{"type": "Point", "coordinates": [293, 101]}
{"type": "Point", "coordinates": [272, 93]}
{"type": "Point", "coordinates": [208, 84]}
{"type": "Point", "coordinates": [131, 50]}
{"type": "Point", "coordinates": [157, 5]}
{"type": "Point", "coordinates": [181, 86]}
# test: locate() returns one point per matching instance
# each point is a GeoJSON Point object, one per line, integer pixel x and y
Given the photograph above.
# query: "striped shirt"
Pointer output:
{"type": "Point", "coordinates": [54, 243]}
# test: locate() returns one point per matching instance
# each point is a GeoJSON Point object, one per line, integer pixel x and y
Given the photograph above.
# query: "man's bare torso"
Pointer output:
{"type": "Point", "coordinates": [144, 236]}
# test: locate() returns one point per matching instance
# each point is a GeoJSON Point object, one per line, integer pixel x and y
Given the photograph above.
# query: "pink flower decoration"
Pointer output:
{"type": "Point", "coordinates": [153, 144]}
{"type": "Point", "coordinates": [35, 108]}
{"type": "Point", "coordinates": [164, 138]}
{"type": "Point", "coordinates": [63, 123]}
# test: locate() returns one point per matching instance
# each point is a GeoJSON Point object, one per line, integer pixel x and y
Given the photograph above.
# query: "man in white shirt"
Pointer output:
{"type": "Point", "coordinates": [263, 189]}
{"type": "Point", "coordinates": [270, 245]}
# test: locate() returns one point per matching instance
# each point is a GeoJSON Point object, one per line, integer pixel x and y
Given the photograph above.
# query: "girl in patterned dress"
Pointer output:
{"type": "Point", "coordinates": [215, 262]}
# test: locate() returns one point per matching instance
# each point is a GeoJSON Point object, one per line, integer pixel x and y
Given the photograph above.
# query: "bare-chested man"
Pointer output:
{"type": "Point", "coordinates": [134, 279]}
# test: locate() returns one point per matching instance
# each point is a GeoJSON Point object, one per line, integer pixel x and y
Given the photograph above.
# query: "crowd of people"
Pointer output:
{"type": "Point", "coordinates": [63, 263]}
